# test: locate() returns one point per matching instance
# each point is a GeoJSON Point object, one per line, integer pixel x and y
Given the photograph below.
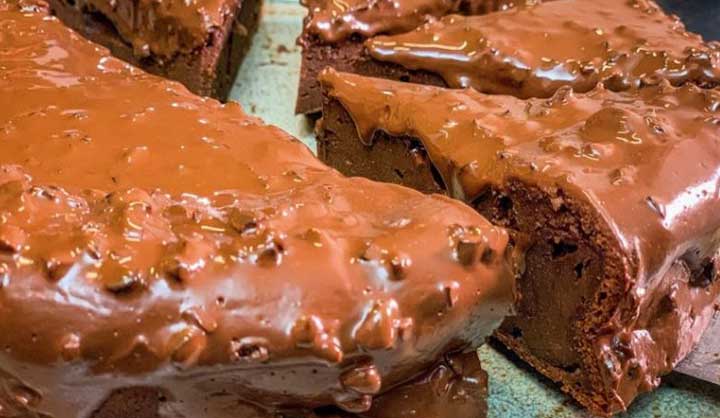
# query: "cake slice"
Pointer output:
{"type": "Point", "coordinates": [614, 193]}
{"type": "Point", "coordinates": [532, 50]}
{"type": "Point", "coordinates": [162, 254]}
{"type": "Point", "coordinates": [200, 43]}
{"type": "Point", "coordinates": [334, 32]}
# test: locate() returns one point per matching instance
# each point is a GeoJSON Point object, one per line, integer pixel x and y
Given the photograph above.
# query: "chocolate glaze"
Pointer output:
{"type": "Point", "coordinates": [456, 388]}
{"type": "Point", "coordinates": [335, 21]}
{"type": "Point", "coordinates": [334, 33]}
{"type": "Point", "coordinates": [163, 28]}
{"type": "Point", "coordinates": [532, 51]}
{"type": "Point", "coordinates": [645, 163]}
{"type": "Point", "coordinates": [149, 237]}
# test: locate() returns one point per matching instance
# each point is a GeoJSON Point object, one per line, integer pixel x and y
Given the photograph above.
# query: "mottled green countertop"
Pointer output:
{"type": "Point", "coordinates": [266, 87]}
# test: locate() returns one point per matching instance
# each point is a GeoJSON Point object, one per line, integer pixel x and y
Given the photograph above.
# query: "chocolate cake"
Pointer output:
{"type": "Point", "coordinates": [533, 50]}
{"type": "Point", "coordinates": [200, 43]}
{"type": "Point", "coordinates": [615, 195]}
{"type": "Point", "coordinates": [334, 33]}
{"type": "Point", "coordinates": [164, 255]}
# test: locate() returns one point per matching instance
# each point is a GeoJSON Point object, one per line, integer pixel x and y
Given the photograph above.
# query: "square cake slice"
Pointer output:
{"type": "Point", "coordinates": [615, 195]}
{"type": "Point", "coordinates": [200, 43]}
{"type": "Point", "coordinates": [334, 33]}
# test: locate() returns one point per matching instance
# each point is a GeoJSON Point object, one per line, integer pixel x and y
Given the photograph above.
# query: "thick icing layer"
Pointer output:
{"type": "Point", "coordinates": [163, 28]}
{"type": "Point", "coordinates": [532, 51]}
{"type": "Point", "coordinates": [646, 162]}
{"type": "Point", "coordinates": [150, 237]}
{"type": "Point", "coordinates": [334, 21]}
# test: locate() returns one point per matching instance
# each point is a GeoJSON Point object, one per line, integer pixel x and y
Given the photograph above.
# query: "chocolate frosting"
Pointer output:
{"type": "Point", "coordinates": [456, 388]}
{"type": "Point", "coordinates": [532, 51]}
{"type": "Point", "coordinates": [163, 28]}
{"type": "Point", "coordinates": [646, 162]}
{"type": "Point", "coordinates": [334, 21]}
{"type": "Point", "coordinates": [150, 237]}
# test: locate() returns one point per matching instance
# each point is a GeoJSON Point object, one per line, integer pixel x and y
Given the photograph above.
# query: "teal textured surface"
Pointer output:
{"type": "Point", "coordinates": [266, 87]}
{"type": "Point", "coordinates": [516, 391]}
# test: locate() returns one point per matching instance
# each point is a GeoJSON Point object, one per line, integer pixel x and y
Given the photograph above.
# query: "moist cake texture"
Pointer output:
{"type": "Point", "coordinates": [200, 43]}
{"type": "Point", "coordinates": [164, 255]}
{"type": "Point", "coordinates": [614, 193]}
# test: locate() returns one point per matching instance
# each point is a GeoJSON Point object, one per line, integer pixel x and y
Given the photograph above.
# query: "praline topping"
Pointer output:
{"type": "Point", "coordinates": [534, 50]}
{"type": "Point", "coordinates": [153, 238]}
{"type": "Point", "coordinates": [334, 21]}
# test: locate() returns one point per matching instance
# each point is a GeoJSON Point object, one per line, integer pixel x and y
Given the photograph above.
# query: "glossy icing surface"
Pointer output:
{"type": "Point", "coordinates": [532, 51]}
{"type": "Point", "coordinates": [163, 27]}
{"type": "Point", "coordinates": [150, 237]}
{"type": "Point", "coordinates": [334, 20]}
{"type": "Point", "coordinates": [647, 162]}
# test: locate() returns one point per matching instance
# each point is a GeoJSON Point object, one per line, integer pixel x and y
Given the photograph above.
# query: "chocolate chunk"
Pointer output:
{"type": "Point", "coordinates": [70, 346]}
{"type": "Point", "coordinates": [363, 379]}
{"type": "Point", "coordinates": [12, 238]}
{"type": "Point", "coordinates": [377, 328]}
{"type": "Point", "coordinates": [245, 222]}
{"type": "Point", "coordinates": [187, 345]}
{"type": "Point", "coordinates": [250, 349]}
{"type": "Point", "coordinates": [59, 264]}
{"type": "Point", "coordinates": [271, 255]}
{"type": "Point", "coordinates": [353, 402]}
{"type": "Point", "coordinates": [117, 277]}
